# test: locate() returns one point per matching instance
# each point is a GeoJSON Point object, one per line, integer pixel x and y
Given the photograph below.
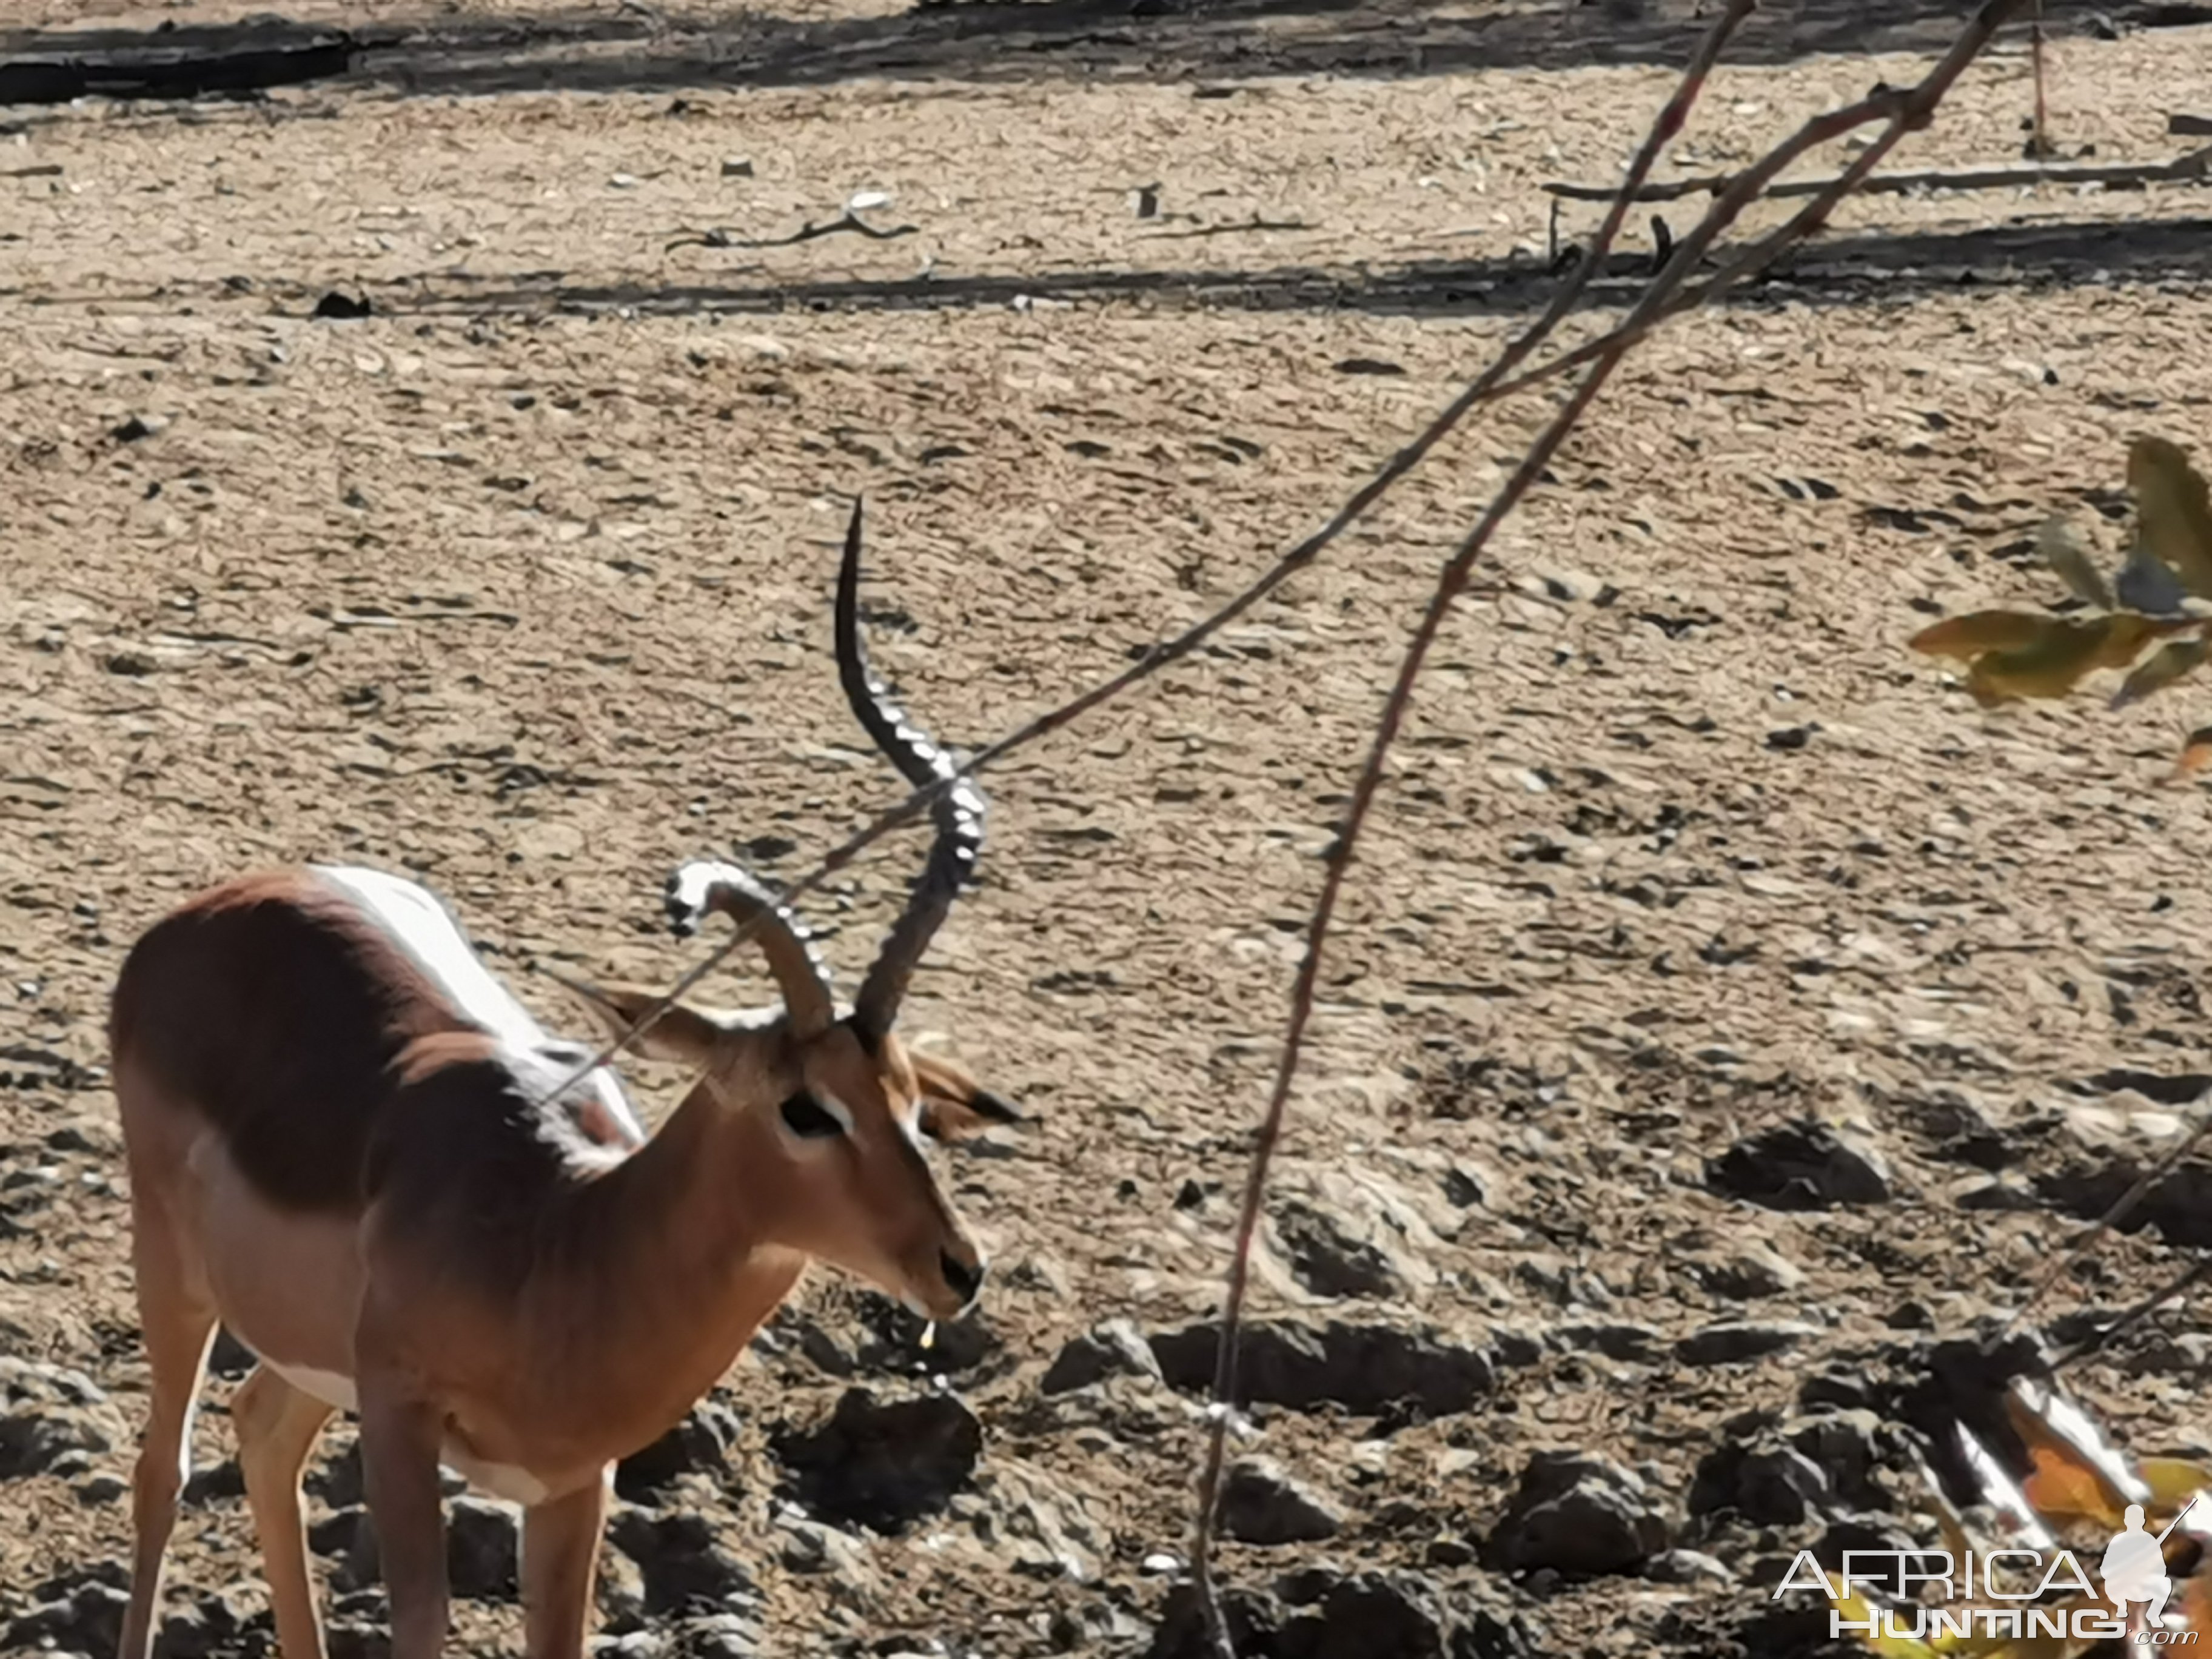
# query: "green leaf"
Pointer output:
{"type": "Point", "coordinates": [2172, 506]}
{"type": "Point", "coordinates": [2177, 660]}
{"type": "Point", "coordinates": [2063, 552]}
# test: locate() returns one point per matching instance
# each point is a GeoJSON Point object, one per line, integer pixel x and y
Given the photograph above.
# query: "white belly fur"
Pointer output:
{"type": "Point", "coordinates": [327, 1386]}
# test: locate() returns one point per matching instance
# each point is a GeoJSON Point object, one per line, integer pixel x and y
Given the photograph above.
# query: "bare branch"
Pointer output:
{"type": "Point", "coordinates": [2195, 165]}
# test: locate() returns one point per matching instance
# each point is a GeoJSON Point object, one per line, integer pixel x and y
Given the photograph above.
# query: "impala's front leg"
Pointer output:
{"type": "Point", "coordinates": [560, 1560]}
{"type": "Point", "coordinates": [401, 1435]}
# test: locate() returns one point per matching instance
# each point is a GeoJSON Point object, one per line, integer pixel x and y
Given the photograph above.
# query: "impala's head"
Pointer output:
{"type": "Point", "coordinates": [832, 1114]}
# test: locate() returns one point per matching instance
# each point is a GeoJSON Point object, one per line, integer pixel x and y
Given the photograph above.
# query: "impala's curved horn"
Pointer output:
{"type": "Point", "coordinates": [957, 812]}
{"type": "Point", "coordinates": [704, 887]}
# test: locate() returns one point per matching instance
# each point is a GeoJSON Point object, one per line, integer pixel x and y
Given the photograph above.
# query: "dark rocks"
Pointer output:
{"type": "Point", "coordinates": [700, 1445]}
{"type": "Point", "coordinates": [1044, 1528]}
{"type": "Point", "coordinates": [1631, 1344]}
{"type": "Point", "coordinates": [1746, 1274]}
{"type": "Point", "coordinates": [1114, 1347]}
{"type": "Point", "coordinates": [211, 1628]}
{"type": "Point", "coordinates": [229, 1357]}
{"type": "Point", "coordinates": [1260, 1504]}
{"type": "Point", "coordinates": [1323, 1614]}
{"type": "Point", "coordinates": [1735, 1342]}
{"type": "Point", "coordinates": [85, 1617]}
{"type": "Point", "coordinates": [2179, 1203]}
{"type": "Point", "coordinates": [1579, 1515]}
{"type": "Point", "coordinates": [1365, 1369]}
{"type": "Point", "coordinates": [482, 1547]}
{"type": "Point", "coordinates": [1942, 1387]}
{"type": "Point", "coordinates": [1848, 1447]}
{"type": "Point", "coordinates": [215, 1483]}
{"type": "Point", "coordinates": [683, 1564]}
{"type": "Point", "coordinates": [1803, 1166]}
{"type": "Point", "coordinates": [1330, 1261]}
{"type": "Point", "coordinates": [49, 1415]}
{"type": "Point", "coordinates": [1775, 1485]}
{"type": "Point", "coordinates": [883, 1463]}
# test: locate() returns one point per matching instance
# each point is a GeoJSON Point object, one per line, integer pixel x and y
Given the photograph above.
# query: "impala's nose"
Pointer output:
{"type": "Point", "coordinates": [965, 1279]}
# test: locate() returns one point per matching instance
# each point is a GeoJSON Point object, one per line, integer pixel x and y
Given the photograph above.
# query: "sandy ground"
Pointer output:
{"type": "Point", "coordinates": [521, 583]}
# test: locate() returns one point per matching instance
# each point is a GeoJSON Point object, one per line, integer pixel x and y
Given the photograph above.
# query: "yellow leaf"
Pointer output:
{"type": "Point", "coordinates": [2172, 1482]}
{"type": "Point", "coordinates": [2177, 660]}
{"type": "Point", "coordinates": [1984, 630]}
{"type": "Point", "coordinates": [2195, 753]}
{"type": "Point", "coordinates": [2077, 1471]}
{"type": "Point", "coordinates": [2065, 554]}
{"type": "Point", "coordinates": [2175, 516]}
{"type": "Point", "coordinates": [2062, 1489]}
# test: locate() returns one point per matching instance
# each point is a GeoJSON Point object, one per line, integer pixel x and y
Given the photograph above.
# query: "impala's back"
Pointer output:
{"type": "Point", "coordinates": [268, 1010]}
{"type": "Point", "coordinates": [257, 1033]}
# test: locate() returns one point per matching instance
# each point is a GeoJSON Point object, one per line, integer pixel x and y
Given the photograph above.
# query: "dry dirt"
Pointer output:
{"type": "Point", "coordinates": [521, 583]}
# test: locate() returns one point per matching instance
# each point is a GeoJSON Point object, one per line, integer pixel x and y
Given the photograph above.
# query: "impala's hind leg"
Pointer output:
{"type": "Point", "coordinates": [178, 1320]}
{"type": "Point", "coordinates": [278, 1426]}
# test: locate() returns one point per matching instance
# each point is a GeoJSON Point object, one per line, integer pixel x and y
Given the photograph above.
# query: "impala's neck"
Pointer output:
{"type": "Point", "coordinates": [664, 1278]}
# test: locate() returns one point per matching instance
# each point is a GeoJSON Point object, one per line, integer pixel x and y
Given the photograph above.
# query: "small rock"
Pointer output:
{"type": "Point", "coordinates": [1365, 1369]}
{"type": "Point", "coordinates": [1687, 1567]}
{"type": "Point", "coordinates": [719, 1636]}
{"type": "Point", "coordinates": [737, 166]}
{"type": "Point", "coordinates": [1580, 1516]}
{"type": "Point", "coordinates": [86, 1618]}
{"type": "Point", "coordinates": [482, 1549]}
{"type": "Point", "coordinates": [700, 1445]}
{"type": "Point", "coordinates": [49, 1415]}
{"type": "Point", "coordinates": [1849, 1446]}
{"type": "Point", "coordinates": [1328, 1259]}
{"type": "Point", "coordinates": [683, 1566]}
{"type": "Point", "coordinates": [342, 307]}
{"type": "Point", "coordinates": [1803, 1165]}
{"type": "Point", "coordinates": [213, 1627]}
{"type": "Point", "coordinates": [1995, 1192]}
{"type": "Point", "coordinates": [229, 1357]}
{"type": "Point", "coordinates": [1114, 1347]}
{"type": "Point", "coordinates": [1051, 1534]}
{"type": "Point", "coordinates": [1631, 1344]}
{"type": "Point", "coordinates": [1734, 1342]}
{"type": "Point", "coordinates": [883, 1463]}
{"type": "Point", "coordinates": [1769, 1487]}
{"type": "Point", "coordinates": [1260, 1504]}
{"type": "Point", "coordinates": [217, 1482]}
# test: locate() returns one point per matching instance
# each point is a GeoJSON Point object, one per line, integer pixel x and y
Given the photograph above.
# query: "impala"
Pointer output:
{"type": "Point", "coordinates": [349, 1143]}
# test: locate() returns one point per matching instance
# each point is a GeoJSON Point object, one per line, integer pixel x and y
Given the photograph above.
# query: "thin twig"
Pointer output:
{"type": "Point", "coordinates": [2193, 164]}
{"type": "Point", "coordinates": [2141, 1310]}
{"type": "Point", "coordinates": [2093, 1235]}
{"type": "Point", "coordinates": [1903, 112]}
{"type": "Point", "coordinates": [2039, 134]}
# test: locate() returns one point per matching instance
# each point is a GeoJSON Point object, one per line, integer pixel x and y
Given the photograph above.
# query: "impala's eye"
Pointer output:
{"type": "Point", "coordinates": [806, 1117]}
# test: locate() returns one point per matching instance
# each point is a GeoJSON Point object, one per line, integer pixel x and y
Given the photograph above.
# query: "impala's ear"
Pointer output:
{"type": "Point", "coordinates": [952, 1106]}
{"type": "Point", "coordinates": [682, 1034]}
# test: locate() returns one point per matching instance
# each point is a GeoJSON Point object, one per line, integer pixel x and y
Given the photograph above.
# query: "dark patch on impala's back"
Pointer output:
{"type": "Point", "coordinates": [273, 1008]}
